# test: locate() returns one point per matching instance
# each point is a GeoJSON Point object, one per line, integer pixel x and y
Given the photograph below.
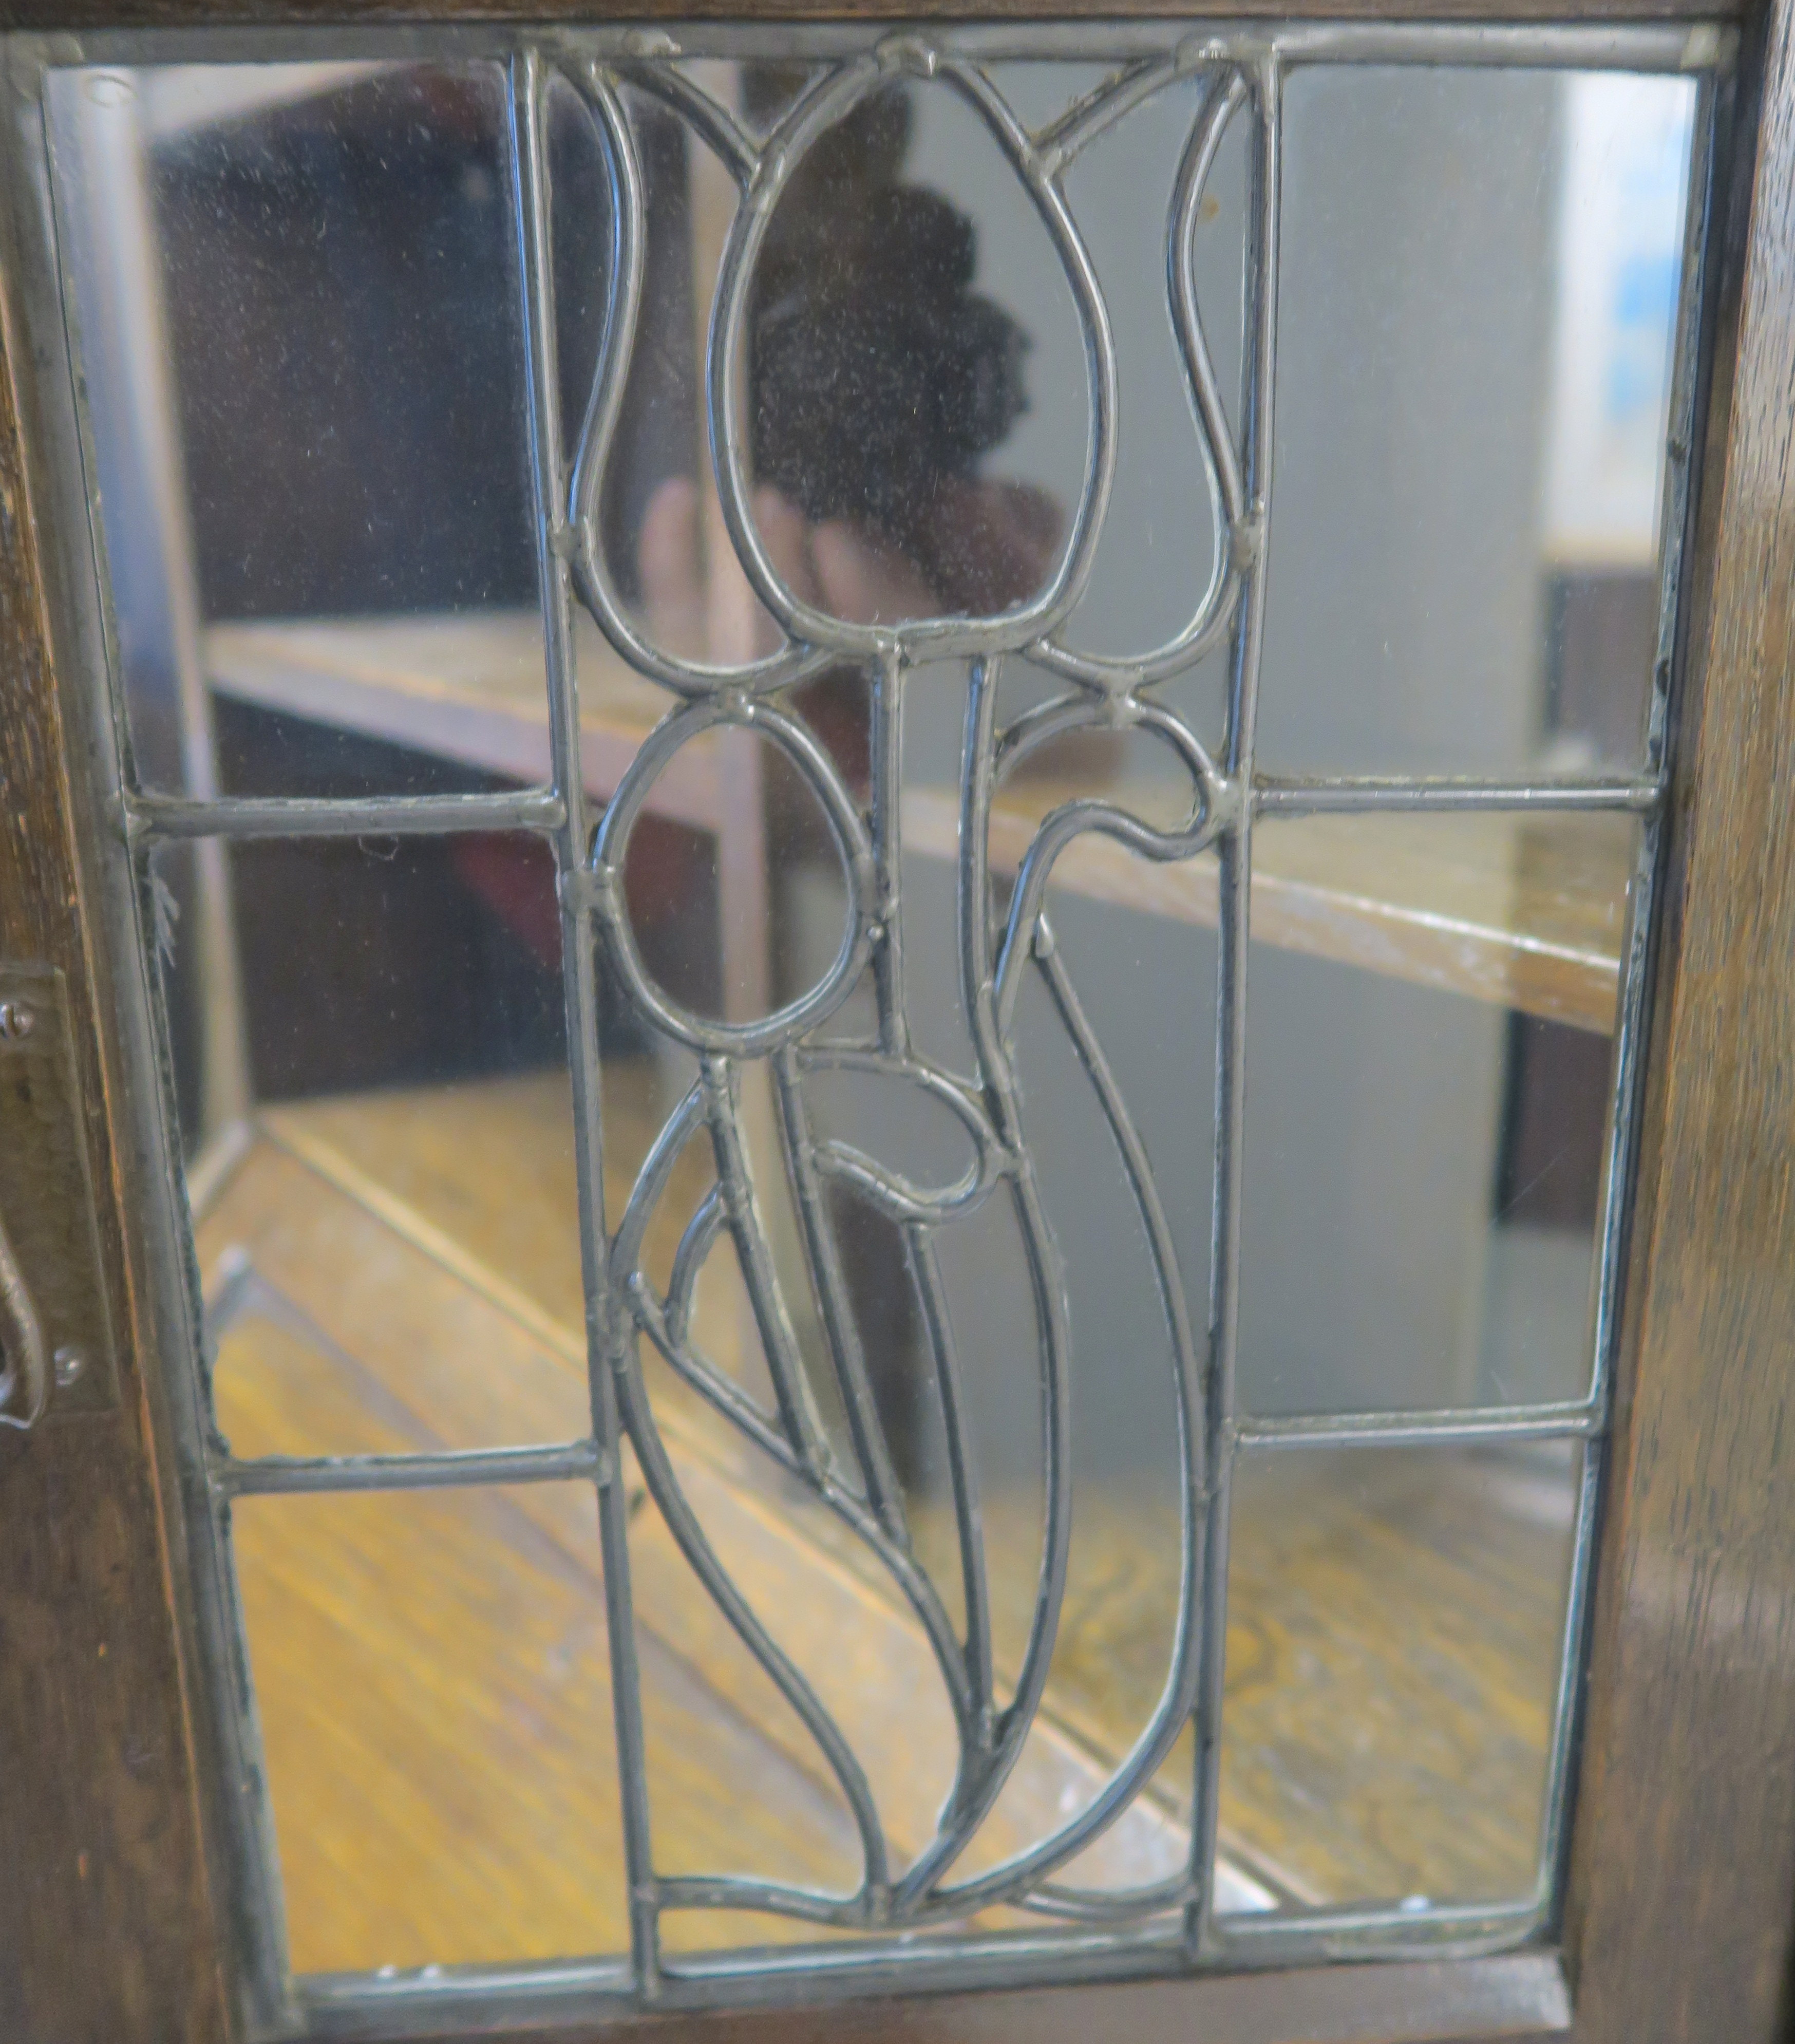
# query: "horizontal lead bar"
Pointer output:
{"type": "Point", "coordinates": [1343, 794]}
{"type": "Point", "coordinates": [444, 1998]}
{"type": "Point", "coordinates": [169, 817]}
{"type": "Point", "coordinates": [480, 2000]}
{"type": "Point", "coordinates": [1389, 1929]}
{"type": "Point", "coordinates": [270, 1475]}
{"type": "Point", "coordinates": [1669, 46]}
{"type": "Point", "coordinates": [1570, 1419]}
{"type": "Point", "coordinates": [1684, 45]}
{"type": "Point", "coordinates": [439, 2001]}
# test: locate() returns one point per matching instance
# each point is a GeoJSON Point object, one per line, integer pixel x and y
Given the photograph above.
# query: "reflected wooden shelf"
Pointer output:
{"type": "Point", "coordinates": [1527, 911]}
{"type": "Point", "coordinates": [433, 1678]}
{"type": "Point", "coordinates": [472, 688]}
{"type": "Point", "coordinates": [469, 688]}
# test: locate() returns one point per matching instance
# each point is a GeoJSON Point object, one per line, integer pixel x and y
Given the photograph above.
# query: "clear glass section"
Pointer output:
{"type": "Point", "coordinates": [433, 1687]}
{"type": "Point", "coordinates": [296, 287]}
{"type": "Point", "coordinates": [370, 1061]}
{"type": "Point", "coordinates": [1395, 1631]}
{"type": "Point", "coordinates": [1477, 315]}
{"type": "Point", "coordinates": [1431, 1007]}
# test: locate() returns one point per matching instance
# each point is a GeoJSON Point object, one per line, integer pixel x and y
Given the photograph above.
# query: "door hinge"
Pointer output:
{"type": "Point", "coordinates": [56, 1352]}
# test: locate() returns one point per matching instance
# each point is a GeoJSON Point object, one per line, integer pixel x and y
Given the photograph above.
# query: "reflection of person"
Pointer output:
{"type": "Point", "coordinates": [1001, 538]}
{"type": "Point", "coordinates": [878, 380]}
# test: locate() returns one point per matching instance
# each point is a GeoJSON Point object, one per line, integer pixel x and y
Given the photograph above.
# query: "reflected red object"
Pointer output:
{"type": "Point", "coordinates": [514, 876]}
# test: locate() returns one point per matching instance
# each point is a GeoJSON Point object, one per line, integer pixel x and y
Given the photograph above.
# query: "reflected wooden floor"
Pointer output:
{"type": "Point", "coordinates": [432, 1671]}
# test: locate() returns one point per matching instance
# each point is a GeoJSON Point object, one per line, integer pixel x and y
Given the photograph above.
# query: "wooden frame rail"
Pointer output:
{"type": "Point", "coordinates": [1679, 1927]}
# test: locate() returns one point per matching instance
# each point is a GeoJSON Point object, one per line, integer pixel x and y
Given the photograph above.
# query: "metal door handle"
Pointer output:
{"type": "Point", "coordinates": [22, 1358]}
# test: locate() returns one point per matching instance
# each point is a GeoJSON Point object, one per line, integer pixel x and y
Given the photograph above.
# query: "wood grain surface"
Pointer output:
{"type": "Point", "coordinates": [1527, 911]}
{"type": "Point", "coordinates": [469, 688]}
{"type": "Point", "coordinates": [107, 1926]}
{"type": "Point", "coordinates": [366, 1324]}
{"type": "Point", "coordinates": [1685, 1838]}
{"type": "Point", "coordinates": [1685, 1842]}
{"type": "Point", "coordinates": [1393, 1621]}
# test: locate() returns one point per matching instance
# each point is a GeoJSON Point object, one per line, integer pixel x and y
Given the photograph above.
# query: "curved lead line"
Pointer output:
{"type": "Point", "coordinates": [894, 1194]}
{"type": "Point", "coordinates": [1178, 1697]}
{"type": "Point", "coordinates": [591, 570]}
{"type": "Point", "coordinates": [718, 1390]}
{"type": "Point", "coordinates": [940, 1084]}
{"type": "Point", "coordinates": [925, 1275]}
{"type": "Point", "coordinates": [31, 1371]}
{"type": "Point", "coordinates": [694, 1246]}
{"type": "Point", "coordinates": [772, 1897]}
{"type": "Point", "coordinates": [716, 127]}
{"type": "Point", "coordinates": [884, 1494]}
{"type": "Point", "coordinates": [1066, 137]}
{"type": "Point", "coordinates": [823, 1254]}
{"type": "Point", "coordinates": [815, 766]}
{"type": "Point", "coordinates": [663, 1485]}
{"type": "Point", "coordinates": [731, 1402]}
{"type": "Point", "coordinates": [704, 1107]}
{"type": "Point", "coordinates": [1035, 727]}
{"type": "Point", "coordinates": [676, 1130]}
{"type": "Point", "coordinates": [1181, 281]}
{"type": "Point", "coordinates": [627, 1283]}
{"type": "Point", "coordinates": [1059, 829]}
{"type": "Point", "coordinates": [985, 1771]}
{"type": "Point", "coordinates": [825, 104]}
{"type": "Point", "coordinates": [1221, 469]}
{"type": "Point", "coordinates": [682, 1522]}
{"type": "Point", "coordinates": [1063, 140]}
{"type": "Point", "coordinates": [1071, 820]}
{"type": "Point", "coordinates": [1105, 1905]}
{"type": "Point", "coordinates": [984, 1783]}
{"type": "Point", "coordinates": [779, 1342]}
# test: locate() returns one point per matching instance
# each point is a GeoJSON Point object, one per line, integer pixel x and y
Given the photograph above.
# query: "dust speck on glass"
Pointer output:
{"type": "Point", "coordinates": [895, 798]}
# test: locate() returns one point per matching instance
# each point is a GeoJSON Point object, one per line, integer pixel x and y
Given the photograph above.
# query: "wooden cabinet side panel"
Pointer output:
{"type": "Point", "coordinates": [1683, 1884]}
{"type": "Point", "coordinates": [107, 1932]}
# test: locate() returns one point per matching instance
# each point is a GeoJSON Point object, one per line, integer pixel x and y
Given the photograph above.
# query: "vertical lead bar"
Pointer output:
{"type": "Point", "coordinates": [1688, 380]}
{"type": "Point", "coordinates": [530, 183]}
{"type": "Point", "coordinates": [42, 126]}
{"type": "Point", "coordinates": [1230, 1050]}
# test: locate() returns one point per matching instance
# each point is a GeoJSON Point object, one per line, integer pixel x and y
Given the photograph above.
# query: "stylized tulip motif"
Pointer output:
{"type": "Point", "coordinates": [855, 1476]}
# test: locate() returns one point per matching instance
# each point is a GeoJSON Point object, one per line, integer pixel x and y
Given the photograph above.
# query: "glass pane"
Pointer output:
{"type": "Point", "coordinates": [1431, 1006]}
{"type": "Point", "coordinates": [434, 1691]}
{"type": "Point", "coordinates": [1395, 1621]}
{"type": "Point", "coordinates": [297, 295]}
{"type": "Point", "coordinates": [387, 1172]}
{"type": "Point", "coordinates": [894, 872]}
{"type": "Point", "coordinates": [1478, 301]}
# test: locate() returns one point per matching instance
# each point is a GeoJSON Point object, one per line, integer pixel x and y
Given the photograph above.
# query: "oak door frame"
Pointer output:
{"type": "Point", "coordinates": [114, 1924]}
